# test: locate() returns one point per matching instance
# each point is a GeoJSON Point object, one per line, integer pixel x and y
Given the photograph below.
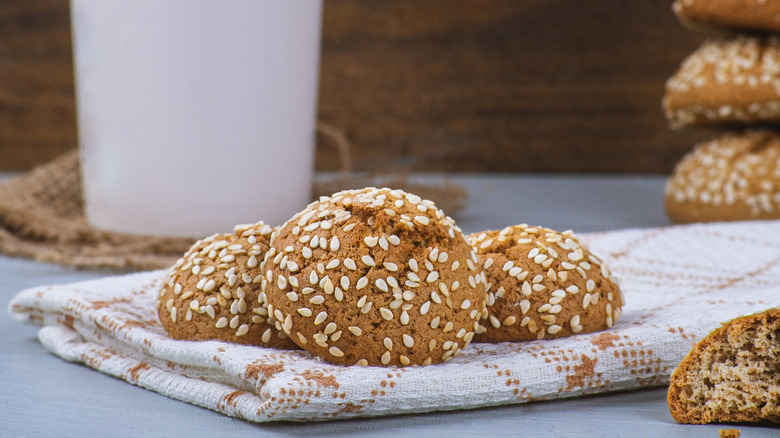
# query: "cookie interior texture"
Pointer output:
{"type": "Point", "coordinates": [733, 177]}
{"type": "Point", "coordinates": [543, 284]}
{"type": "Point", "coordinates": [374, 277]}
{"type": "Point", "coordinates": [212, 291]}
{"type": "Point", "coordinates": [731, 375]}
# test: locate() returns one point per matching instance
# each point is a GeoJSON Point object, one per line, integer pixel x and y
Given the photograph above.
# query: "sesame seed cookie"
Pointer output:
{"type": "Point", "coordinates": [731, 375]}
{"type": "Point", "coordinates": [374, 277]}
{"type": "Point", "coordinates": [726, 82]}
{"type": "Point", "coordinates": [212, 292]}
{"type": "Point", "coordinates": [543, 284]}
{"type": "Point", "coordinates": [732, 14]}
{"type": "Point", "coordinates": [733, 177]}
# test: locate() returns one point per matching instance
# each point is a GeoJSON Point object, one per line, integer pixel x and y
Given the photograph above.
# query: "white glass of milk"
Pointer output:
{"type": "Point", "coordinates": [195, 115]}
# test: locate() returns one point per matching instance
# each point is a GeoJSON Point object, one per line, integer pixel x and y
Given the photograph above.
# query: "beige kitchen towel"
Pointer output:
{"type": "Point", "coordinates": [679, 283]}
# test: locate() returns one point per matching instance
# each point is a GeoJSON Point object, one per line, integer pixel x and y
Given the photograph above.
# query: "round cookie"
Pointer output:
{"type": "Point", "coordinates": [543, 284]}
{"type": "Point", "coordinates": [212, 292]}
{"type": "Point", "coordinates": [730, 14]}
{"type": "Point", "coordinates": [374, 277]}
{"type": "Point", "coordinates": [734, 177]}
{"type": "Point", "coordinates": [726, 82]}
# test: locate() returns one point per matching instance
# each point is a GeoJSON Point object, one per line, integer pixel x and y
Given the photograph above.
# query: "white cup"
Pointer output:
{"type": "Point", "coordinates": [195, 115]}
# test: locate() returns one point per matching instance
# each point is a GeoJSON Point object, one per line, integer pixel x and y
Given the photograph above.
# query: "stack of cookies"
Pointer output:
{"type": "Point", "coordinates": [731, 82]}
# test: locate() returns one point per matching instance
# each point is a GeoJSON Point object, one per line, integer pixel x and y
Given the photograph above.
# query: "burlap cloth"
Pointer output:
{"type": "Point", "coordinates": [42, 215]}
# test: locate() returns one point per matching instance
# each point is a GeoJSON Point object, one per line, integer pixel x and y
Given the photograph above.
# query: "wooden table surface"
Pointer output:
{"type": "Point", "coordinates": [42, 395]}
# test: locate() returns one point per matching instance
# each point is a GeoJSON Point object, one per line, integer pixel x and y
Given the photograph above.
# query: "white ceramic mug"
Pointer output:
{"type": "Point", "coordinates": [195, 115]}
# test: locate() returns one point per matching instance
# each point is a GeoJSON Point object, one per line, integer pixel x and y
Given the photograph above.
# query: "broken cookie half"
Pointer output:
{"type": "Point", "coordinates": [732, 374]}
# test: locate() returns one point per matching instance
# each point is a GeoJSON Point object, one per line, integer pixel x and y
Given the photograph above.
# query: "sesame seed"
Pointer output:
{"type": "Point", "coordinates": [368, 260]}
{"type": "Point", "coordinates": [330, 328]}
{"type": "Point", "coordinates": [327, 285]}
{"type": "Point", "coordinates": [381, 285]}
{"type": "Point", "coordinates": [394, 240]}
{"type": "Point", "coordinates": [448, 327]}
{"type": "Point", "coordinates": [553, 329]}
{"type": "Point", "coordinates": [413, 266]}
{"type": "Point", "coordinates": [371, 241]}
{"type": "Point", "coordinates": [266, 336]}
{"type": "Point", "coordinates": [385, 358]}
{"type": "Point", "coordinates": [355, 330]}
{"type": "Point", "coordinates": [292, 296]}
{"type": "Point", "coordinates": [320, 317]}
{"type": "Point", "coordinates": [336, 351]}
{"type": "Point", "coordinates": [435, 297]}
{"type": "Point", "coordinates": [366, 307]}
{"type": "Point", "coordinates": [333, 264]}
{"type": "Point", "coordinates": [305, 311]}
{"type": "Point", "coordinates": [386, 313]}
{"type": "Point", "coordinates": [422, 220]}
{"type": "Point", "coordinates": [234, 322]}
{"type": "Point", "coordinates": [408, 340]}
{"type": "Point", "coordinates": [222, 322]}
{"type": "Point", "coordinates": [573, 289]}
{"type": "Point", "coordinates": [590, 285]}
{"type": "Point", "coordinates": [388, 343]}
{"type": "Point", "coordinates": [392, 282]}
{"type": "Point", "coordinates": [361, 283]}
{"type": "Point", "coordinates": [465, 304]}
{"type": "Point", "coordinates": [509, 320]}
{"type": "Point", "coordinates": [432, 276]}
{"type": "Point", "coordinates": [404, 318]}
{"type": "Point", "coordinates": [390, 266]}
{"type": "Point", "coordinates": [426, 306]}
{"type": "Point", "coordinates": [435, 322]}
{"type": "Point", "coordinates": [350, 264]}
{"type": "Point", "coordinates": [555, 309]}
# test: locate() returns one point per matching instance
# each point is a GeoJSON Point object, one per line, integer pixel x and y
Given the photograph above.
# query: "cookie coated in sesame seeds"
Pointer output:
{"type": "Point", "coordinates": [729, 14]}
{"type": "Point", "coordinates": [212, 292]}
{"type": "Point", "coordinates": [543, 284]}
{"type": "Point", "coordinates": [726, 82]}
{"type": "Point", "coordinates": [374, 277]}
{"type": "Point", "coordinates": [730, 178]}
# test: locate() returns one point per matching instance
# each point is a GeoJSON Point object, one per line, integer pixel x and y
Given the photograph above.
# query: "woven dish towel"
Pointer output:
{"type": "Point", "coordinates": [679, 284]}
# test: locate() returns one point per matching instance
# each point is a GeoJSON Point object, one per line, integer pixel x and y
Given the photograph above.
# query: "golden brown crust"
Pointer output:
{"type": "Point", "coordinates": [733, 177]}
{"type": "Point", "coordinates": [731, 375]}
{"type": "Point", "coordinates": [726, 82]}
{"type": "Point", "coordinates": [543, 284]}
{"type": "Point", "coordinates": [732, 14]}
{"type": "Point", "coordinates": [374, 277]}
{"type": "Point", "coordinates": [211, 292]}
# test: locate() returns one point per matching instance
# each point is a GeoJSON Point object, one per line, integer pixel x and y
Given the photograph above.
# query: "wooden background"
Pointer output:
{"type": "Point", "coordinates": [455, 85]}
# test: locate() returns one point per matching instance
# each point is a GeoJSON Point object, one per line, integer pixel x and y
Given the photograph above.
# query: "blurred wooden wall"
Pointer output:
{"type": "Point", "coordinates": [455, 85]}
